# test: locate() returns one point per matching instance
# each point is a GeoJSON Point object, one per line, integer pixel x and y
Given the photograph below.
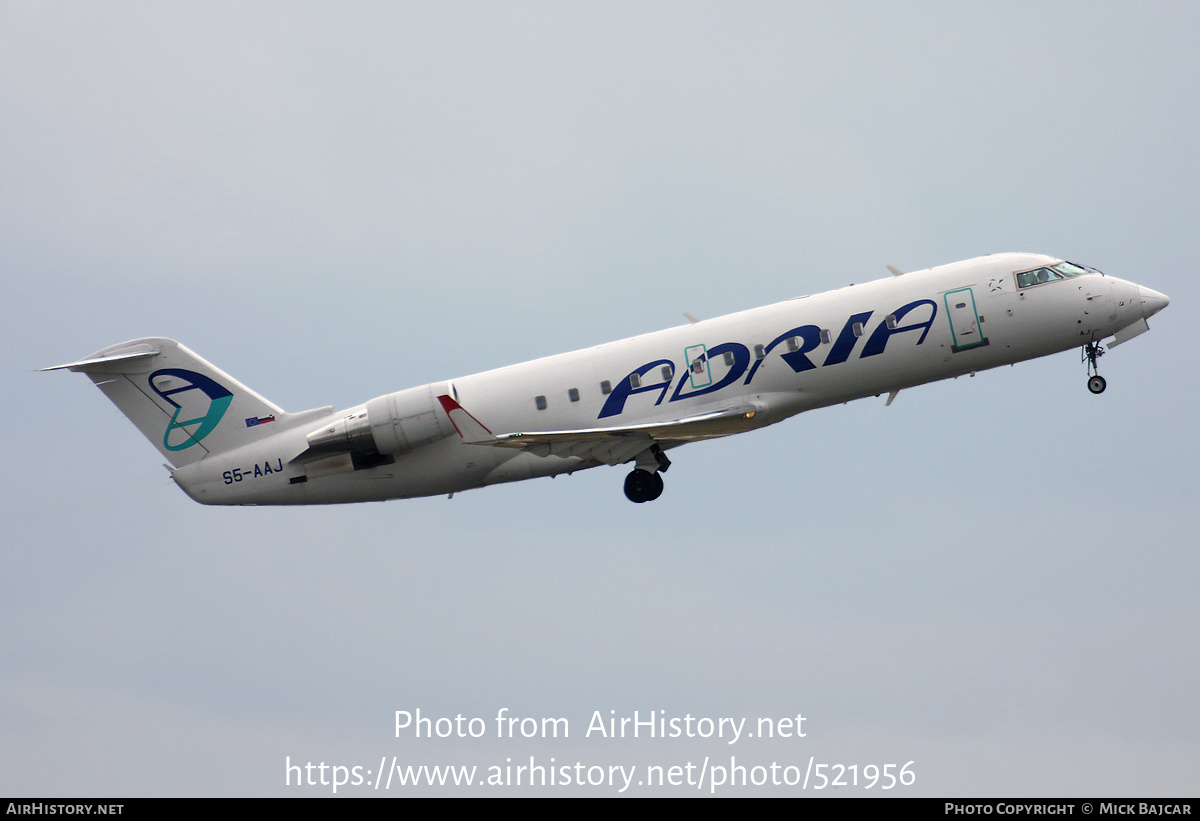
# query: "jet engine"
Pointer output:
{"type": "Point", "coordinates": [387, 425]}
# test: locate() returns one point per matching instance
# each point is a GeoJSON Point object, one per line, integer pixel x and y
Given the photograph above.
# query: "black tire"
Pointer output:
{"type": "Point", "coordinates": [1096, 384]}
{"type": "Point", "coordinates": [643, 486]}
{"type": "Point", "coordinates": [657, 488]}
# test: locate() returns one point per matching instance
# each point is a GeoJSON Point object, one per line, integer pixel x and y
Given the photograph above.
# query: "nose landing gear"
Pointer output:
{"type": "Point", "coordinates": [1091, 352]}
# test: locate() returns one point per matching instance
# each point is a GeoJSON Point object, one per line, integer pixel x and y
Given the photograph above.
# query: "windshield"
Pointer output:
{"type": "Point", "coordinates": [1063, 270]}
{"type": "Point", "coordinates": [1070, 269]}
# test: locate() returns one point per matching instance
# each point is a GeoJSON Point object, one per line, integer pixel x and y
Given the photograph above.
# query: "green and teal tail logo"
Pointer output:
{"type": "Point", "coordinates": [201, 401]}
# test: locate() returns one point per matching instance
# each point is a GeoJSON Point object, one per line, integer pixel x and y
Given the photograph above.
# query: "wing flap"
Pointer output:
{"type": "Point", "coordinates": [611, 445]}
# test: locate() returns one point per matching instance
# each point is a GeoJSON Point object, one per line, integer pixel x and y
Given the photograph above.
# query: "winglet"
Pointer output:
{"type": "Point", "coordinates": [690, 318]}
{"type": "Point", "coordinates": [896, 272]}
{"type": "Point", "coordinates": [469, 428]}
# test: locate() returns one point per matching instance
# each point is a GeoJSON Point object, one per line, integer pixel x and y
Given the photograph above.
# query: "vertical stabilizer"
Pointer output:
{"type": "Point", "coordinates": [187, 407]}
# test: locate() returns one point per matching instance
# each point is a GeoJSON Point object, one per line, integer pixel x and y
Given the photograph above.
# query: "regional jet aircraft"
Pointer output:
{"type": "Point", "coordinates": [627, 402]}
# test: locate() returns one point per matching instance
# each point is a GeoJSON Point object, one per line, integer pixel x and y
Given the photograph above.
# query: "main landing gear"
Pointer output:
{"type": "Point", "coordinates": [1091, 352]}
{"type": "Point", "coordinates": [643, 486]}
{"type": "Point", "coordinates": [644, 483]}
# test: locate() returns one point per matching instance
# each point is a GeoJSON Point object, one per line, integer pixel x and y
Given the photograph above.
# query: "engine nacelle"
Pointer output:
{"type": "Point", "coordinates": [395, 423]}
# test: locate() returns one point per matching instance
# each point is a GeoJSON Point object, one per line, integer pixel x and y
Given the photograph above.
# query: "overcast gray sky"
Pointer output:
{"type": "Point", "coordinates": [993, 578]}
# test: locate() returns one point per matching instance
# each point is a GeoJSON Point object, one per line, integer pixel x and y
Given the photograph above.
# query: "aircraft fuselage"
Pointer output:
{"type": "Point", "coordinates": [630, 400]}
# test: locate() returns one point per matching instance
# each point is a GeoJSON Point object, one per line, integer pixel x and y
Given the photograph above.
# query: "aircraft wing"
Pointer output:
{"type": "Point", "coordinates": [614, 445]}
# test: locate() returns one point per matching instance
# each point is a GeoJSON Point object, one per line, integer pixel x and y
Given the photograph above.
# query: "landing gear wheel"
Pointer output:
{"type": "Point", "coordinates": [1091, 353]}
{"type": "Point", "coordinates": [643, 486]}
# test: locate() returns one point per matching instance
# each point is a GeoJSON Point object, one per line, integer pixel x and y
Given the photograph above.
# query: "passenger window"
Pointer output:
{"type": "Point", "coordinates": [606, 387]}
{"type": "Point", "coordinates": [666, 373]}
{"type": "Point", "coordinates": [760, 352]}
{"type": "Point", "coordinates": [540, 401]}
{"type": "Point", "coordinates": [729, 359]}
{"type": "Point", "coordinates": [573, 394]}
{"type": "Point", "coordinates": [635, 380]}
{"type": "Point", "coordinates": [826, 337]}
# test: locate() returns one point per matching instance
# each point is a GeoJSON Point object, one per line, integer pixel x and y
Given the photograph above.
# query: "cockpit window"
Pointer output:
{"type": "Point", "coordinates": [1062, 270]}
{"type": "Point", "coordinates": [1070, 269]}
{"type": "Point", "coordinates": [1037, 276]}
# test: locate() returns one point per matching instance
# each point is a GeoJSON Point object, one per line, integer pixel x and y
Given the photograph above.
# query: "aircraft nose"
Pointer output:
{"type": "Point", "coordinates": [1152, 302]}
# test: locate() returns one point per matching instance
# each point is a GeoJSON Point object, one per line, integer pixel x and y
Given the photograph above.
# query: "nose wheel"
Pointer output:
{"type": "Point", "coordinates": [1092, 352]}
{"type": "Point", "coordinates": [643, 486]}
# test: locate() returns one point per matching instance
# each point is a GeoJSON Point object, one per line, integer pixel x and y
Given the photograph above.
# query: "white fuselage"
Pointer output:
{"type": "Point", "coordinates": [781, 359]}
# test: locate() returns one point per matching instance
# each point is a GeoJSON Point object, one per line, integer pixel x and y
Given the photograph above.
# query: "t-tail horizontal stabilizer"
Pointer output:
{"type": "Point", "coordinates": [184, 405]}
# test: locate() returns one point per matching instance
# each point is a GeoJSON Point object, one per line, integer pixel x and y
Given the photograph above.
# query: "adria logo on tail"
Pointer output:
{"type": "Point", "coordinates": [203, 417]}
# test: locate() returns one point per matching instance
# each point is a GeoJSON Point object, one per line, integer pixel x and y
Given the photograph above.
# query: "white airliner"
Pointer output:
{"type": "Point", "coordinates": [624, 402]}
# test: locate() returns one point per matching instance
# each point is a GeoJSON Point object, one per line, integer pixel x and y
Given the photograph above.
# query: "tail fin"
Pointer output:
{"type": "Point", "coordinates": [181, 403]}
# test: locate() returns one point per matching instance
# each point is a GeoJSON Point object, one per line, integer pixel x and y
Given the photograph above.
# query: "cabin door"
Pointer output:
{"type": "Point", "coordinates": [698, 370]}
{"type": "Point", "coordinates": [965, 329]}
